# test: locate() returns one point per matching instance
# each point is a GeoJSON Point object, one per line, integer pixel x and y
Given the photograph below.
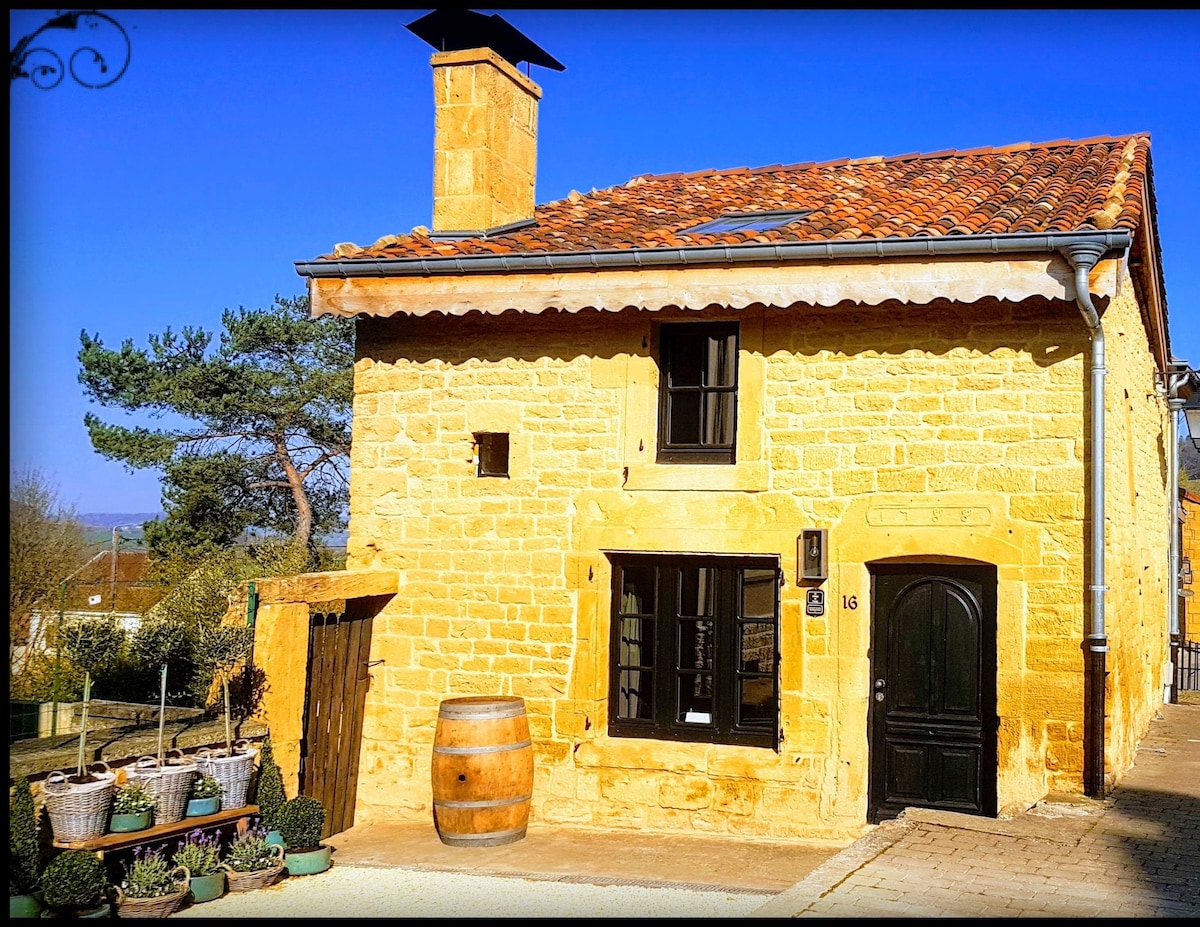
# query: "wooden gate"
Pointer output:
{"type": "Point", "coordinates": [339, 646]}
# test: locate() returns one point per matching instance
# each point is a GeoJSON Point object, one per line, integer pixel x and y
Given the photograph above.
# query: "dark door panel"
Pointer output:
{"type": "Point", "coordinates": [933, 689]}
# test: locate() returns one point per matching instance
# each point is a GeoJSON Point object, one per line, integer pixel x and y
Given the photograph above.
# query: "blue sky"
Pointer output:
{"type": "Point", "coordinates": [239, 142]}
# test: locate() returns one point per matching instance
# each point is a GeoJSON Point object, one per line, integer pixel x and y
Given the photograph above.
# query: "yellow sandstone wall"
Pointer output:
{"type": "Point", "coordinates": [1138, 541]}
{"type": "Point", "coordinates": [957, 434]}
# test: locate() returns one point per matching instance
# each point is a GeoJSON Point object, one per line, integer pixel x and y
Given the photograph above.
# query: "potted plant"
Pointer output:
{"type": "Point", "coordinates": [205, 796]}
{"type": "Point", "coordinates": [153, 886]}
{"type": "Point", "coordinates": [132, 808]}
{"type": "Point", "coordinates": [24, 853]}
{"type": "Point", "coordinates": [78, 804]}
{"type": "Point", "coordinates": [269, 793]}
{"type": "Point", "coordinates": [200, 855]}
{"type": "Point", "coordinates": [74, 885]}
{"type": "Point", "coordinates": [160, 642]}
{"type": "Point", "coordinates": [251, 862]}
{"type": "Point", "coordinates": [220, 649]}
{"type": "Point", "coordinates": [301, 822]}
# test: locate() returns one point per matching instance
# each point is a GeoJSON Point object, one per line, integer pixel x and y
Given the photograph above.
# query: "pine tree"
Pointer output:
{"type": "Point", "coordinates": [259, 432]}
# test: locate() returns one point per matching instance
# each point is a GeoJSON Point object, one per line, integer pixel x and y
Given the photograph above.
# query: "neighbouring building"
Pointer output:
{"type": "Point", "coordinates": [113, 583]}
{"type": "Point", "coordinates": [1189, 607]}
{"type": "Point", "coordinates": [785, 497]}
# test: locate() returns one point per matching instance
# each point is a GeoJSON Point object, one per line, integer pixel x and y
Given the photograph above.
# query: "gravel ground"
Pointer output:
{"type": "Point", "coordinates": [351, 891]}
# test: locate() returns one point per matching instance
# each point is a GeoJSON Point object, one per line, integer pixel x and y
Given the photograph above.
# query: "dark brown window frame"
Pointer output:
{"type": "Point", "coordinates": [673, 339]}
{"type": "Point", "coordinates": [663, 623]}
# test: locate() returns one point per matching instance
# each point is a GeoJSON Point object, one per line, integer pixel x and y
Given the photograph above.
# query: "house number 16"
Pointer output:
{"type": "Point", "coordinates": [850, 602]}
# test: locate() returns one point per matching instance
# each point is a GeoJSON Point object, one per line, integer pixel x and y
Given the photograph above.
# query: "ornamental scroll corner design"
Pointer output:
{"type": "Point", "coordinates": [88, 66]}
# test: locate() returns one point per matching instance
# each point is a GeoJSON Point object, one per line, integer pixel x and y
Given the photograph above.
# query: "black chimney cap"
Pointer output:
{"type": "Point", "coordinates": [455, 29]}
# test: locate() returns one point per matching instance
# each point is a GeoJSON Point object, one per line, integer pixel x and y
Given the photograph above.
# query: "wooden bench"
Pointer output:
{"type": "Point", "coordinates": [159, 832]}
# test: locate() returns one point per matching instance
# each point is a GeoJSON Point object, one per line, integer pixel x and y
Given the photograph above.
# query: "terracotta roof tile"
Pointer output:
{"type": "Point", "coordinates": [1057, 186]}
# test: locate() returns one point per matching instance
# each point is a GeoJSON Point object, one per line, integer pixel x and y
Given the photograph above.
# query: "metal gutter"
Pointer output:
{"type": "Point", "coordinates": [778, 252]}
{"type": "Point", "coordinates": [1083, 257]}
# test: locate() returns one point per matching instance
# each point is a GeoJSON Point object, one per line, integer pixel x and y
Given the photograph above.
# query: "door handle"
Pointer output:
{"type": "Point", "coordinates": [880, 683]}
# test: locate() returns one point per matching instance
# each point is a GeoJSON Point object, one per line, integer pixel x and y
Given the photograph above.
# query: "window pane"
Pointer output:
{"type": "Point", "coordinates": [683, 418]}
{"type": "Point", "coordinates": [685, 357]}
{"type": "Point", "coordinates": [697, 591]}
{"type": "Point", "coordinates": [757, 650]}
{"type": "Point", "coordinates": [636, 646]}
{"type": "Point", "coordinates": [635, 698]}
{"type": "Point", "coordinates": [637, 584]}
{"type": "Point", "coordinates": [756, 703]}
{"type": "Point", "coordinates": [719, 418]}
{"type": "Point", "coordinates": [694, 702]}
{"type": "Point", "coordinates": [721, 369]}
{"type": "Point", "coordinates": [695, 645]}
{"type": "Point", "coordinates": [758, 593]}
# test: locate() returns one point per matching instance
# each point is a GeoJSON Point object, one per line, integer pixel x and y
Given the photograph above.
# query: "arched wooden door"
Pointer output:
{"type": "Point", "coordinates": [933, 689]}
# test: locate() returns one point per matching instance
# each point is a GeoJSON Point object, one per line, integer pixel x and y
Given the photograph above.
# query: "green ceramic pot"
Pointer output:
{"type": "Point", "coordinates": [198, 807]}
{"type": "Point", "coordinates": [275, 838]}
{"type": "Point", "coordinates": [207, 887]}
{"type": "Point", "coordinates": [307, 862]}
{"type": "Point", "coordinates": [25, 905]}
{"type": "Point", "coordinates": [128, 823]}
{"type": "Point", "coordinates": [105, 910]}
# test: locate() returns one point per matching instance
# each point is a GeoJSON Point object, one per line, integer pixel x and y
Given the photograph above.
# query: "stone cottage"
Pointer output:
{"type": "Point", "coordinates": [785, 497]}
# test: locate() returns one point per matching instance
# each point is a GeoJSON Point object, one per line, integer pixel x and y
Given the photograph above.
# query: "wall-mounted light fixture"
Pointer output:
{"type": "Point", "coordinates": [1191, 412]}
{"type": "Point", "coordinates": [811, 554]}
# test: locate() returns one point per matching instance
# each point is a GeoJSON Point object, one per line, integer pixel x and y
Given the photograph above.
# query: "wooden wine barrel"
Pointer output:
{"type": "Point", "coordinates": [482, 771]}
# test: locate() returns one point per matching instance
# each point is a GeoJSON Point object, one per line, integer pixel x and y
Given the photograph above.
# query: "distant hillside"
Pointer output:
{"type": "Point", "coordinates": [98, 526]}
{"type": "Point", "coordinates": [112, 520]}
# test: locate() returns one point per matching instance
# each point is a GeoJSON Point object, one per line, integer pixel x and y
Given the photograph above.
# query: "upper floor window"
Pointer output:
{"type": "Point", "coordinates": [695, 644]}
{"type": "Point", "coordinates": [697, 400]}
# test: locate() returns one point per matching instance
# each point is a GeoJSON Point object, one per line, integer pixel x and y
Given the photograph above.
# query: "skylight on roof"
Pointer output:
{"type": "Point", "coordinates": [748, 221]}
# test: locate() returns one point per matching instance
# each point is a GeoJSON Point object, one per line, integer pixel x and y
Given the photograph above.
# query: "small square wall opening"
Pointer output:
{"type": "Point", "coordinates": [491, 453]}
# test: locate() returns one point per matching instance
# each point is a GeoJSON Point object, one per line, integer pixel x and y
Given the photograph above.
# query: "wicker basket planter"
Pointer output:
{"type": "Point", "coordinates": [79, 810]}
{"type": "Point", "coordinates": [169, 783]}
{"type": "Point", "coordinates": [233, 772]}
{"type": "Point", "coordinates": [258, 878]}
{"type": "Point", "coordinates": [161, 906]}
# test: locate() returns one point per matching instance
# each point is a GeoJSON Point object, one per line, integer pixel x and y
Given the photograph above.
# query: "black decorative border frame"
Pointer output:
{"type": "Point", "coordinates": [46, 71]}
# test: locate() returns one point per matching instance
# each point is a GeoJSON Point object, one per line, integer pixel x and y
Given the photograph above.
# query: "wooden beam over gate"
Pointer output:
{"type": "Point", "coordinates": [328, 586]}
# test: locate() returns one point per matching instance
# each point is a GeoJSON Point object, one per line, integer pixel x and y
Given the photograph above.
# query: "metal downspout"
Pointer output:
{"type": "Point", "coordinates": [1174, 405]}
{"type": "Point", "coordinates": [1083, 257]}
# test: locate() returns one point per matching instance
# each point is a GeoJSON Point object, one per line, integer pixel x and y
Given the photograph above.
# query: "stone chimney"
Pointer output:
{"type": "Point", "coordinates": [485, 141]}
